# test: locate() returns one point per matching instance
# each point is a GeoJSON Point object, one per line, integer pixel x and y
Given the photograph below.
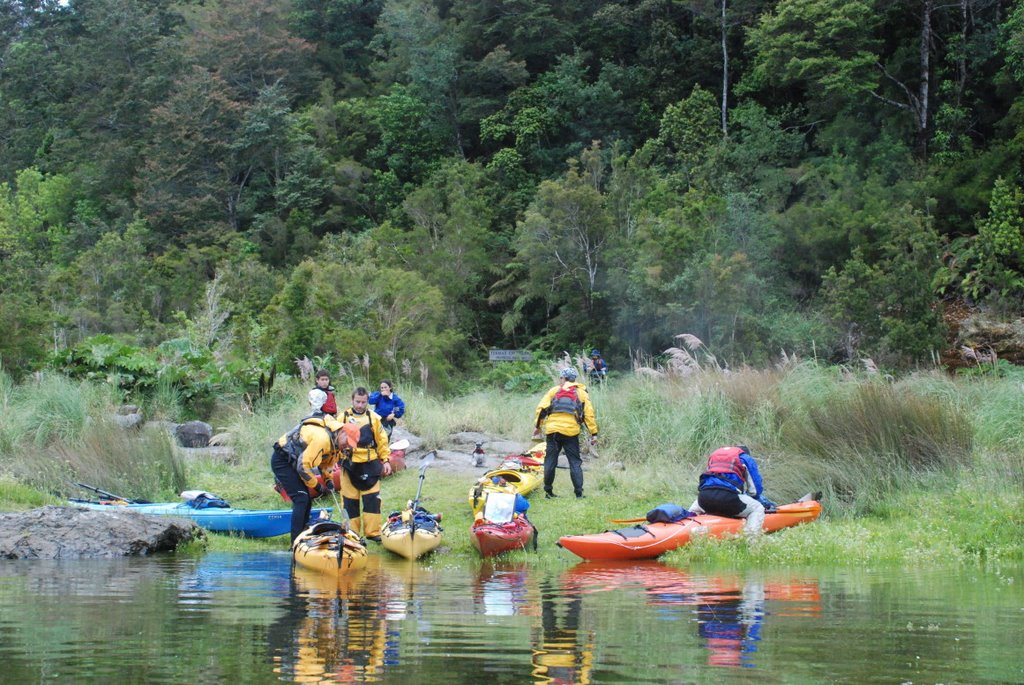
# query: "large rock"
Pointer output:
{"type": "Point", "coordinates": [194, 434]}
{"type": "Point", "coordinates": [74, 533]}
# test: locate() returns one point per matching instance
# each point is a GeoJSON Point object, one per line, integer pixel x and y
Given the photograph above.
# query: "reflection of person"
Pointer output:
{"type": "Point", "coordinates": [363, 468]}
{"type": "Point", "coordinates": [315, 443]}
{"type": "Point", "coordinates": [598, 367]}
{"type": "Point", "coordinates": [312, 644]}
{"type": "Point", "coordinates": [559, 658]}
{"type": "Point", "coordinates": [323, 382]}
{"type": "Point", "coordinates": [562, 411]}
{"type": "Point", "coordinates": [731, 486]}
{"type": "Point", "coordinates": [388, 405]}
{"type": "Point", "coordinates": [731, 627]}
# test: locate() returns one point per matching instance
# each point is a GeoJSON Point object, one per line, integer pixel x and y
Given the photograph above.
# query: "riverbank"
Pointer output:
{"type": "Point", "coordinates": [926, 469]}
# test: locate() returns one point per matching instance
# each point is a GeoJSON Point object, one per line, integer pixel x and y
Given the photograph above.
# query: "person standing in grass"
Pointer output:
{"type": "Point", "coordinates": [388, 405]}
{"type": "Point", "coordinates": [368, 460]}
{"type": "Point", "coordinates": [316, 443]}
{"type": "Point", "coordinates": [323, 382]}
{"type": "Point", "coordinates": [562, 411]}
{"type": "Point", "coordinates": [731, 486]}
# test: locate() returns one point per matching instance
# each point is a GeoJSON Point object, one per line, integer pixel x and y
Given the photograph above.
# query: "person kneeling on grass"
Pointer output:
{"type": "Point", "coordinates": [731, 486]}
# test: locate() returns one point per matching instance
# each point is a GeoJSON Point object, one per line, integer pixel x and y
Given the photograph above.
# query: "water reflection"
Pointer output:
{"type": "Point", "coordinates": [729, 610]}
{"type": "Point", "coordinates": [563, 653]}
{"type": "Point", "coordinates": [335, 629]}
{"type": "Point", "coordinates": [248, 618]}
{"type": "Point", "coordinates": [502, 589]}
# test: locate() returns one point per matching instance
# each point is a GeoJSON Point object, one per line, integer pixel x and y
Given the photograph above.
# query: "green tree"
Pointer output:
{"type": "Point", "coordinates": [563, 237]}
{"type": "Point", "coordinates": [992, 261]}
{"type": "Point", "coordinates": [885, 304]}
{"type": "Point", "coordinates": [349, 309]}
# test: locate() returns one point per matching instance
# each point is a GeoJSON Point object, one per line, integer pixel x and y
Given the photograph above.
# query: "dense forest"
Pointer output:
{"type": "Point", "coordinates": [402, 184]}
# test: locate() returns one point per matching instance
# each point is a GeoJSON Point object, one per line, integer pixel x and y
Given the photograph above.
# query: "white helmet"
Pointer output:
{"type": "Point", "coordinates": [317, 399]}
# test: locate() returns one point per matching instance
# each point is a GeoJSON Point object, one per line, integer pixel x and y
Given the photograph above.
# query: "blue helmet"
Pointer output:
{"type": "Point", "coordinates": [568, 373]}
{"type": "Point", "coordinates": [595, 353]}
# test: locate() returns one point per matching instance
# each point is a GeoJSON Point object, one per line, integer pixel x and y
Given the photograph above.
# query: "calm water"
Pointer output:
{"type": "Point", "coordinates": [246, 618]}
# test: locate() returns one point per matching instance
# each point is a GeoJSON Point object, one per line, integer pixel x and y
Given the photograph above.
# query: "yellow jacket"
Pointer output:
{"type": "Point", "coordinates": [560, 422]}
{"type": "Point", "coordinates": [320, 451]}
{"type": "Point", "coordinates": [373, 441]}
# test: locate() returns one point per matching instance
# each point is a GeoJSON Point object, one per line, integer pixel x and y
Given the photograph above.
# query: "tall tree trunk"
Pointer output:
{"type": "Point", "coordinates": [925, 75]}
{"type": "Point", "coordinates": [725, 74]}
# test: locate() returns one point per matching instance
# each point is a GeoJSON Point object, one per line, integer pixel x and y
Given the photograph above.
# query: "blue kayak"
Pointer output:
{"type": "Point", "coordinates": [252, 523]}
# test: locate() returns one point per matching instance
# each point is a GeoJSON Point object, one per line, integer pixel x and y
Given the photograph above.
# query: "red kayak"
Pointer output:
{"type": "Point", "coordinates": [651, 540]}
{"type": "Point", "coordinates": [494, 538]}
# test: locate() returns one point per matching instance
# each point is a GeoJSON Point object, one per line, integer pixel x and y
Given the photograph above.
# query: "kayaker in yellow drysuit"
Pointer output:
{"type": "Point", "coordinates": [361, 471]}
{"type": "Point", "coordinates": [316, 443]}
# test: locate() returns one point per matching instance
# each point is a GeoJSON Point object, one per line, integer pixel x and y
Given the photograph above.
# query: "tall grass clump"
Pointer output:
{"type": "Point", "coordinates": [166, 402]}
{"type": "Point", "coordinates": [136, 464]}
{"type": "Point", "coordinates": [48, 409]}
{"type": "Point", "coordinates": [870, 439]}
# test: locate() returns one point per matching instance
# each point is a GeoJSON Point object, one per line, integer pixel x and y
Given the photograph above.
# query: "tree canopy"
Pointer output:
{"type": "Point", "coordinates": [412, 182]}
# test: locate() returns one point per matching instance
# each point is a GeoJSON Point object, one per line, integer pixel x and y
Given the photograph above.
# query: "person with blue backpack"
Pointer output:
{"type": "Point", "coordinates": [562, 412]}
{"type": "Point", "coordinates": [731, 486]}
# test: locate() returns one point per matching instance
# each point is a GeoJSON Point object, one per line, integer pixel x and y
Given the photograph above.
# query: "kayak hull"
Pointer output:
{"type": "Point", "coordinates": [328, 548]}
{"type": "Point", "coordinates": [253, 523]}
{"type": "Point", "coordinates": [651, 540]}
{"type": "Point", "coordinates": [411, 536]}
{"type": "Point", "coordinates": [491, 538]}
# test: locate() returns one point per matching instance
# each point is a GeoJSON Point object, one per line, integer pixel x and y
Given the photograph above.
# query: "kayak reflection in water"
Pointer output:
{"type": "Point", "coordinates": [560, 658]}
{"type": "Point", "coordinates": [334, 634]}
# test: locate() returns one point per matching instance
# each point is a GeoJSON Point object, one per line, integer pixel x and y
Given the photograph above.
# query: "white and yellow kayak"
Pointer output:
{"type": "Point", "coordinates": [412, 532]}
{"type": "Point", "coordinates": [329, 547]}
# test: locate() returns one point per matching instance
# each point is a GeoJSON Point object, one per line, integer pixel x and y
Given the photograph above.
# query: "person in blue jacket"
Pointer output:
{"type": "Point", "coordinates": [388, 405]}
{"type": "Point", "coordinates": [731, 486]}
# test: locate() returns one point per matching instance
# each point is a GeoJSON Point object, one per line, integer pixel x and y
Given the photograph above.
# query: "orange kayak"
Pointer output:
{"type": "Point", "coordinates": [651, 540]}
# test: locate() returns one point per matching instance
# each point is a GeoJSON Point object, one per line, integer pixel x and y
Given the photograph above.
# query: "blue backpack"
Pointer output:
{"type": "Point", "coordinates": [668, 513]}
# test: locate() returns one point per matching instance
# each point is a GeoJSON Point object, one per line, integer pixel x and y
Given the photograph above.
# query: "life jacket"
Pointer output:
{"type": "Point", "coordinates": [330, 406]}
{"type": "Point", "coordinates": [726, 460]}
{"type": "Point", "coordinates": [294, 445]}
{"type": "Point", "coordinates": [367, 439]}
{"type": "Point", "coordinates": [566, 401]}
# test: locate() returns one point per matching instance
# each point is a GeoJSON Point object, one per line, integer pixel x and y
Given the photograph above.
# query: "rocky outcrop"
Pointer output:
{"type": "Point", "coordinates": [194, 434]}
{"type": "Point", "coordinates": [129, 416]}
{"type": "Point", "coordinates": [74, 533]}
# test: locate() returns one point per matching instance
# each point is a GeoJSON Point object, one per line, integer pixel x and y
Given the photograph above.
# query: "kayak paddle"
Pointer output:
{"type": "Point", "coordinates": [109, 495]}
{"type": "Point", "coordinates": [427, 461]}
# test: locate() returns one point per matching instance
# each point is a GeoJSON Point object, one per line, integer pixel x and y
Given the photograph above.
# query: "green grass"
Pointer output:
{"type": "Point", "coordinates": [925, 469]}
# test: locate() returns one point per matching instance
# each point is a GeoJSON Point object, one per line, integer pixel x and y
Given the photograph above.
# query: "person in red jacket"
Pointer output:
{"type": "Point", "coordinates": [323, 382]}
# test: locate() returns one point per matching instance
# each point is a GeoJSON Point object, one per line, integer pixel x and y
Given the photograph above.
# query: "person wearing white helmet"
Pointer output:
{"type": "Point", "coordinates": [317, 399]}
{"type": "Point", "coordinates": [561, 413]}
{"type": "Point", "coordinates": [315, 444]}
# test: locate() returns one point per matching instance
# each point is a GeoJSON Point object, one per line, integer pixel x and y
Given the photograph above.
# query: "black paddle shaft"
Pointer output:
{"type": "Point", "coordinates": [104, 493]}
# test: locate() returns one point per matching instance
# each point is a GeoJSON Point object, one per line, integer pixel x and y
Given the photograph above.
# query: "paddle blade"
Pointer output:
{"type": "Point", "coordinates": [427, 461]}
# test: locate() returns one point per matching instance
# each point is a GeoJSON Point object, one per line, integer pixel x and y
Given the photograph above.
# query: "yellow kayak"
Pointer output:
{"type": "Point", "coordinates": [411, 533]}
{"type": "Point", "coordinates": [520, 473]}
{"type": "Point", "coordinates": [329, 547]}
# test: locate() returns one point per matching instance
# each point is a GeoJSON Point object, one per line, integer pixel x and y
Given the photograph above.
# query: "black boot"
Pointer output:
{"type": "Point", "coordinates": [549, 495]}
